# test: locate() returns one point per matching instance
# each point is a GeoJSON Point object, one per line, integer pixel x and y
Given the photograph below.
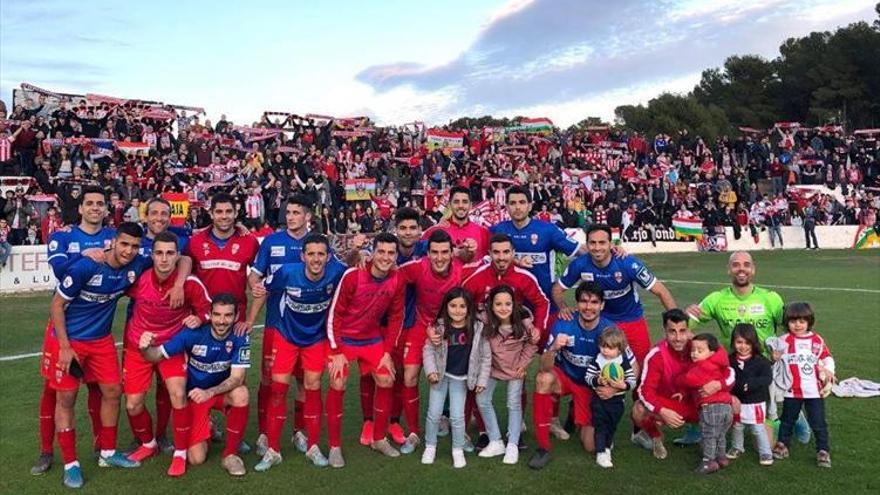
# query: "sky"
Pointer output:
{"type": "Point", "coordinates": [395, 61]}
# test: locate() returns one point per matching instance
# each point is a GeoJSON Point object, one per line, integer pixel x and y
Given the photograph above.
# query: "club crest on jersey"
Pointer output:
{"type": "Point", "coordinates": [228, 346]}
{"type": "Point", "coordinates": [235, 248]}
{"type": "Point", "coordinates": [107, 243]}
{"type": "Point", "coordinates": [206, 248]}
{"type": "Point", "coordinates": [741, 310]}
{"type": "Point", "coordinates": [53, 245]}
{"type": "Point", "coordinates": [618, 276]}
{"type": "Point", "coordinates": [534, 239]}
{"type": "Point", "coordinates": [131, 276]}
{"type": "Point", "coordinates": [329, 289]}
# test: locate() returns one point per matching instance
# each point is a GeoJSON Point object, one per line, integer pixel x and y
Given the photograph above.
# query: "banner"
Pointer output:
{"type": "Point", "coordinates": [438, 138]}
{"type": "Point", "coordinates": [359, 189]}
{"type": "Point", "coordinates": [641, 234]}
{"type": "Point", "coordinates": [179, 207]}
{"type": "Point", "coordinates": [866, 238]}
{"type": "Point", "coordinates": [27, 269]}
{"type": "Point", "coordinates": [133, 148]}
{"type": "Point", "coordinates": [713, 241]}
{"type": "Point", "coordinates": [540, 125]}
{"type": "Point", "coordinates": [10, 182]}
{"type": "Point", "coordinates": [687, 227]}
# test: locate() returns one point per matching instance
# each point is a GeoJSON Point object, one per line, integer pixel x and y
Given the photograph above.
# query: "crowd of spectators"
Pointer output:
{"type": "Point", "coordinates": [135, 151]}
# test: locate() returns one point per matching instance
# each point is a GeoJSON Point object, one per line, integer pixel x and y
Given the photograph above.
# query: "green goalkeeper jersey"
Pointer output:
{"type": "Point", "coordinates": [762, 308]}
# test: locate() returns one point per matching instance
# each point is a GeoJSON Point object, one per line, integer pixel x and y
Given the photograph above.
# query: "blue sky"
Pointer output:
{"type": "Point", "coordinates": [396, 61]}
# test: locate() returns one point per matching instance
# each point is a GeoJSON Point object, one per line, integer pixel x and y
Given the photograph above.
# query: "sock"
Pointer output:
{"type": "Point", "coordinates": [312, 416]}
{"type": "Point", "coordinates": [182, 421]}
{"type": "Point", "coordinates": [650, 427]}
{"type": "Point", "coordinates": [276, 411]}
{"type": "Point", "coordinates": [108, 438]}
{"type": "Point", "coordinates": [236, 424]}
{"type": "Point", "coordinates": [141, 426]}
{"type": "Point", "coordinates": [368, 389]}
{"type": "Point", "coordinates": [397, 399]}
{"type": "Point", "coordinates": [163, 408]}
{"type": "Point", "coordinates": [262, 399]}
{"type": "Point", "coordinates": [67, 444]}
{"type": "Point", "coordinates": [542, 409]}
{"type": "Point", "coordinates": [299, 411]}
{"type": "Point", "coordinates": [411, 408]}
{"type": "Point", "coordinates": [94, 404]}
{"type": "Point", "coordinates": [47, 418]}
{"type": "Point", "coordinates": [382, 409]}
{"type": "Point", "coordinates": [334, 417]}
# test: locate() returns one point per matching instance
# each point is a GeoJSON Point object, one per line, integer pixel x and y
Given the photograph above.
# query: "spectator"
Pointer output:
{"type": "Point", "coordinates": [18, 212]}
{"type": "Point", "coordinates": [5, 246]}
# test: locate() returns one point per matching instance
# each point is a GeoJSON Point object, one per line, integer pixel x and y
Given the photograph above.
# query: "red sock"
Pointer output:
{"type": "Point", "coordinates": [312, 416]}
{"type": "Point", "coordinates": [276, 411]}
{"type": "Point", "coordinates": [368, 389]}
{"type": "Point", "coordinates": [163, 408]}
{"type": "Point", "coordinates": [108, 437]}
{"type": "Point", "coordinates": [67, 444]}
{"type": "Point", "coordinates": [300, 406]}
{"type": "Point", "coordinates": [236, 424]}
{"type": "Point", "coordinates": [543, 407]}
{"type": "Point", "coordinates": [382, 410]}
{"type": "Point", "coordinates": [47, 418]}
{"type": "Point", "coordinates": [263, 393]}
{"type": "Point", "coordinates": [334, 417]}
{"type": "Point", "coordinates": [182, 420]}
{"type": "Point", "coordinates": [649, 426]}
{"type": "Point", "coordinates": [411, 408]}
{"type": "Point", "coordinates": [397, 399]}
{"type": "Point", "coordinates": [94, 404]}
{"type": "Point", "coordinates": [141, 425]}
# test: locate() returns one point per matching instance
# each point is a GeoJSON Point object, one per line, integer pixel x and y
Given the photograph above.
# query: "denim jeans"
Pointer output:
{"type": "Point", "coordinates": [777, 233]}
{"type": "Point", "coordinates": [457, 390]}
{"type": "Point", "coordinates": [5, 251]}
{"type": "Point", "coordinates": [815, 409]}
{"type": "Point", "coordinates": [762, 441]}
{"type": "Point", "coordinates": [514, 410]}
{"type": "Point", "coordinates": [810, 234]}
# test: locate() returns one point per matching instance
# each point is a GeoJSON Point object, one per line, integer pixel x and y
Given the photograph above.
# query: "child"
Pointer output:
{"type": "Point", "coordinates": [806, 368]}
{"type": "Point", "coordinates": [462, 361]}
{"type": "Point", "coordinates": [513, 343]}
{"type": "Point", "coordinates": [716, 413]}
{"type": "Point", "coordinates": [607, 412]}
{"type": "Point", "coordinates": [752, 389]}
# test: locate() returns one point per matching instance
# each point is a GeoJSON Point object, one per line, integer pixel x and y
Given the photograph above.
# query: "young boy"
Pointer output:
{"type": "Point", "coordinates": [710, 363]}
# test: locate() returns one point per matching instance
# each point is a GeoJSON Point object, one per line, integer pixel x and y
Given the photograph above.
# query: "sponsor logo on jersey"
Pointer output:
{"type": "Point", "coordinates": [199, 350]}
{"type": "Point", "coordinates": [217, 367]}
{"type": "Point", "coordinates": [220, 264]}
{"type": "Point", "coordinates": [756, 309]}
{"type": "Point", "coordinates": [294, 292]}
{"type": "Point", "coordinates": [305, 308]}
{"type": "Point", "coordinates": [96, 280]}
{"type": "Point", "coordinates": [537, 258]}
{"type": "Point", "coordinates": [277, 251]}
{"type": "Point", "coordinates": [68, 281]}
{"type": "Point", "coordinates": [588, 277]}
{"type": "Point", "coordinates": [94, 297]}
{"type": "Point", "coordinates": [73, 247]}
{"type": "Point", "coordinates": [53, 245]}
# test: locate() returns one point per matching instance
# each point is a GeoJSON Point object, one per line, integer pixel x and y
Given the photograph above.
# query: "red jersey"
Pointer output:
{"type": "Point", "coordinates": [459, 233]}
{"type": "Point", "coordinates": [360, 302]}
{"type": "Point", "coordinates": [660, 373]}
{"type": "Point", "coordinates": [150, 311]}
{"type": "Point", "coordinates": [430, 287]}
{"type": "Point", "coordinates": [525, 289]}
{"type": "Point", "coordinates": [224, 270]}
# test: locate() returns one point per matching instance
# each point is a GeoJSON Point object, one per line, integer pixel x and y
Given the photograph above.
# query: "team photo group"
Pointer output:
{"type": "Point", "coordinates": [446, 314]}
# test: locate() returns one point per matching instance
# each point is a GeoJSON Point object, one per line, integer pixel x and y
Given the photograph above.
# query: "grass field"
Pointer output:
{"type": "Point", "coordinates": [848, 319]}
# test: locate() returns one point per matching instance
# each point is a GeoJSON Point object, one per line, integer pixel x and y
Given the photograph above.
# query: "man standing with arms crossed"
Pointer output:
{"type": "Point", "coordinates": [470, 238]}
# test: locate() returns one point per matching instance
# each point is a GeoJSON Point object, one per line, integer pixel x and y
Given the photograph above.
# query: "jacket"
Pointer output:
{"type": "Point", "coordinates": [509, 354]}
{"type": "Point", "coordinates": [716, 367]}
{"type": "Point", "coordinates": [753, 379]}
{"type": "Point", "coordinates": [479, 363]}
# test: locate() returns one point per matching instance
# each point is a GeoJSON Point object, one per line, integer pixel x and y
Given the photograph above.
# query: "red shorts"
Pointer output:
{"type": "Point", "coordinates": [97, 358]}
{"type": "Point", "coordinates": [637, 337]}
{"type": "Point", "coordinates": [409, 348]}
{"type": "Point", "coordinates": [200, 429]}
{"type": "Point", "coordinates": [367, 356]}
{"type": "Point", "coordinates": [580, 397]}
{"type": "Point", "coordinates": [137, 372]}
{"type": "Point", "coordinates": [686, 409]}
{"type": "Point", "coordinates": [287, 356]}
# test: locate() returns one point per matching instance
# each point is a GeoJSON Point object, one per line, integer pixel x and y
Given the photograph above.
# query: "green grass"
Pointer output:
{"type": "Point", "coordinates": [848, 320]}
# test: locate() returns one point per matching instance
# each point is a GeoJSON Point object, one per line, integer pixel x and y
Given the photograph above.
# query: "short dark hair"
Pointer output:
{"type": "Point", "coordinates": [385, 237]}
{"type": "Point", "coordinates": [517, 189]}
{"type": "Point", "coordinates": [166, 237]}
{"type": "Point", "coordinates": [674, 315]}
{"type": "Point", "coordinates": [459, 190]}
{"type": "Point", "coordinates": [130, 228]}
{"type": "Point", "coordinates": [301, 200]}
{"type": "Point", "coordinates": [591, 287]}
{"type": "Point", "coordinates": [799, 310]}
{"type": "Point", "coordinates": [710, 340]}
{"type": "Point", "coordinates": [157, 199]}
{"type": "Point", "coordinates": [498, 238]}
{"type": "Point", "coordinates": [599, 227]}
{"type": "Point", "coordinates": [439, 236]}
{"type": "Point", "coordinates": [316, 239]}
{"type": "Point", "coordinates": [225, 299]}
{"type": "Point", "coordinates": [91, 190]}
{"type": "Point", "coordinates": [406, 213]}
{"type": "Point", "coordinates": [222, 197]}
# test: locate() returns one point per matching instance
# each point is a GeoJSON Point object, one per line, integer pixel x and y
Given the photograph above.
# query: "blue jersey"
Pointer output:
{"type": "Point", "coordinates": [420, 250]}
{"type": "Point", "coordinates": [618, 280]}
{"type": "Point", "coordinates": [304, 304]}
{"type": "Point", "coordinates": [275, 251]}
{"type": "Point", "coordinates": [65, 248]}
{"type": "Point", "coordinates": [209, 360]}
{"type": "Point", "coordinates": [93, 289]}
{"type": "Point", "coordinates": [182, 241]}
{"type": "Point", "coordinates": [574, 359]}
{"type": "Point", "coordinates": [539, 241]}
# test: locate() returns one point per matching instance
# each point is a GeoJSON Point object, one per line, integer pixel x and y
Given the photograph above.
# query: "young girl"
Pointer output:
{"type": "Point", "coordinates": [752, 389]}
{"type": "Point", "coordinates": [804, 367]}
{"type": "Point", "coordinates": [513, 343]}
{"type": "Point", "coordinates": [462, 361]}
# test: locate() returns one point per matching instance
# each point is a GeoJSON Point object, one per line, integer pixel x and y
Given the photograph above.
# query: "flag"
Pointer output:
{"type": "Point", "coordinates": [179, 207]}
{"type": "Point", "coordinates": [438, 138]}
{"type": "Point", "coordinates": [359, 189]}
{"type": "Point", "coordinates": [132, 148]}
{"type": "Point", "coordinates": [615, 236]}
{"type": "Point", "coordinates": [866, 237]}
{"type": "Point", "coordinates": [687, 227]}
{"type": "Point", "coordinates": [538, 125]}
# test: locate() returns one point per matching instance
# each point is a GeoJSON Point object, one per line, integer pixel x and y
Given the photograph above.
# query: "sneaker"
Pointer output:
{"type": "Point", "coordinates": [734, 453]}
{"type": "Point", "coordinates": [722, 461]}
{"type": "Point", "coordinates": [177, 467]}
{"type": "Point", "coordinates": [468, 445]}
{"type": "Point", "coordinates": [367, 433]}
{"type": "Point", "coordinates": [557, 430]}
{"type": "Point", "coordinates": [314, 454]}
{"type": "Point", "coordinates": [780, 451]}
{"type": "Point", "coordinates": [766, 460]}
{"type": "Point", "coordinates": [262, 444]}
{"type": "Point", "coordinates": [165, 446]}
{"type": "Point", "coordinates": [823, 459]}
{"type": "Point", "coordinates": [511, 454]}
{"type": "Point", "coordinates": [482, 442]}
{"type": "Point", "coordinates": [642, 440]}
{"type": "Point", "coordinates": [409, 446]}
{"type": "Point", "coordinates": [443, 426]}
{"type": "Point", "coordinates": [143, 453]}
{"type": "Point", "coordinates": [270, 458]}
{"type": "Point", "coordinates": [44, 462]}
{"type": "Point", "coordinates": [300, 441]}
{"type": "Point", "coordinates": [493, 449]}
{"type": "Point", "coordinates": [802, 429]}
{"type": "Point", "coordinates": [73, 477]}
{"type": "Point", "coordinates": [691, 437]}
{"type": "Point", "coordinates": [429, 454]}
{"type": "Point", "coordinates": [233, 465]}
{"type": "Point", "coordinates": [396, 433]}
{"type": "Point", "coordinates": [335, 457]}
{"type": "Point", "coordinates": [244, 448]}
{"type": "Point", "coordinates": [603, 459]}
{"type": "Point", "coordinates": [707, 467]}
{"type": "Point", "coordinates": [216, 429]}
{"type": "Point", "coordinates": [522, 445]}
{"type": "Point", "coordinates": [117, 460]}
{"type": "Point", "coordinates": [384, 447]}
{"type": "Point", "coordinates": [458, 460]}
{"type": "Point", "coordinates": [658, 449]}
{"type": "Point", "coordinates": [539, 459]}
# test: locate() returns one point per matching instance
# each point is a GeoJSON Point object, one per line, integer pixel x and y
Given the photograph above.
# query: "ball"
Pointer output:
{"type": "Point", "coordinates": [612, 372]}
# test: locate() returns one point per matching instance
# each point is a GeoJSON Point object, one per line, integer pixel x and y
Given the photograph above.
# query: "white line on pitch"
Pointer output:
{"type": "Point", "coordinates": [793, 287]}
